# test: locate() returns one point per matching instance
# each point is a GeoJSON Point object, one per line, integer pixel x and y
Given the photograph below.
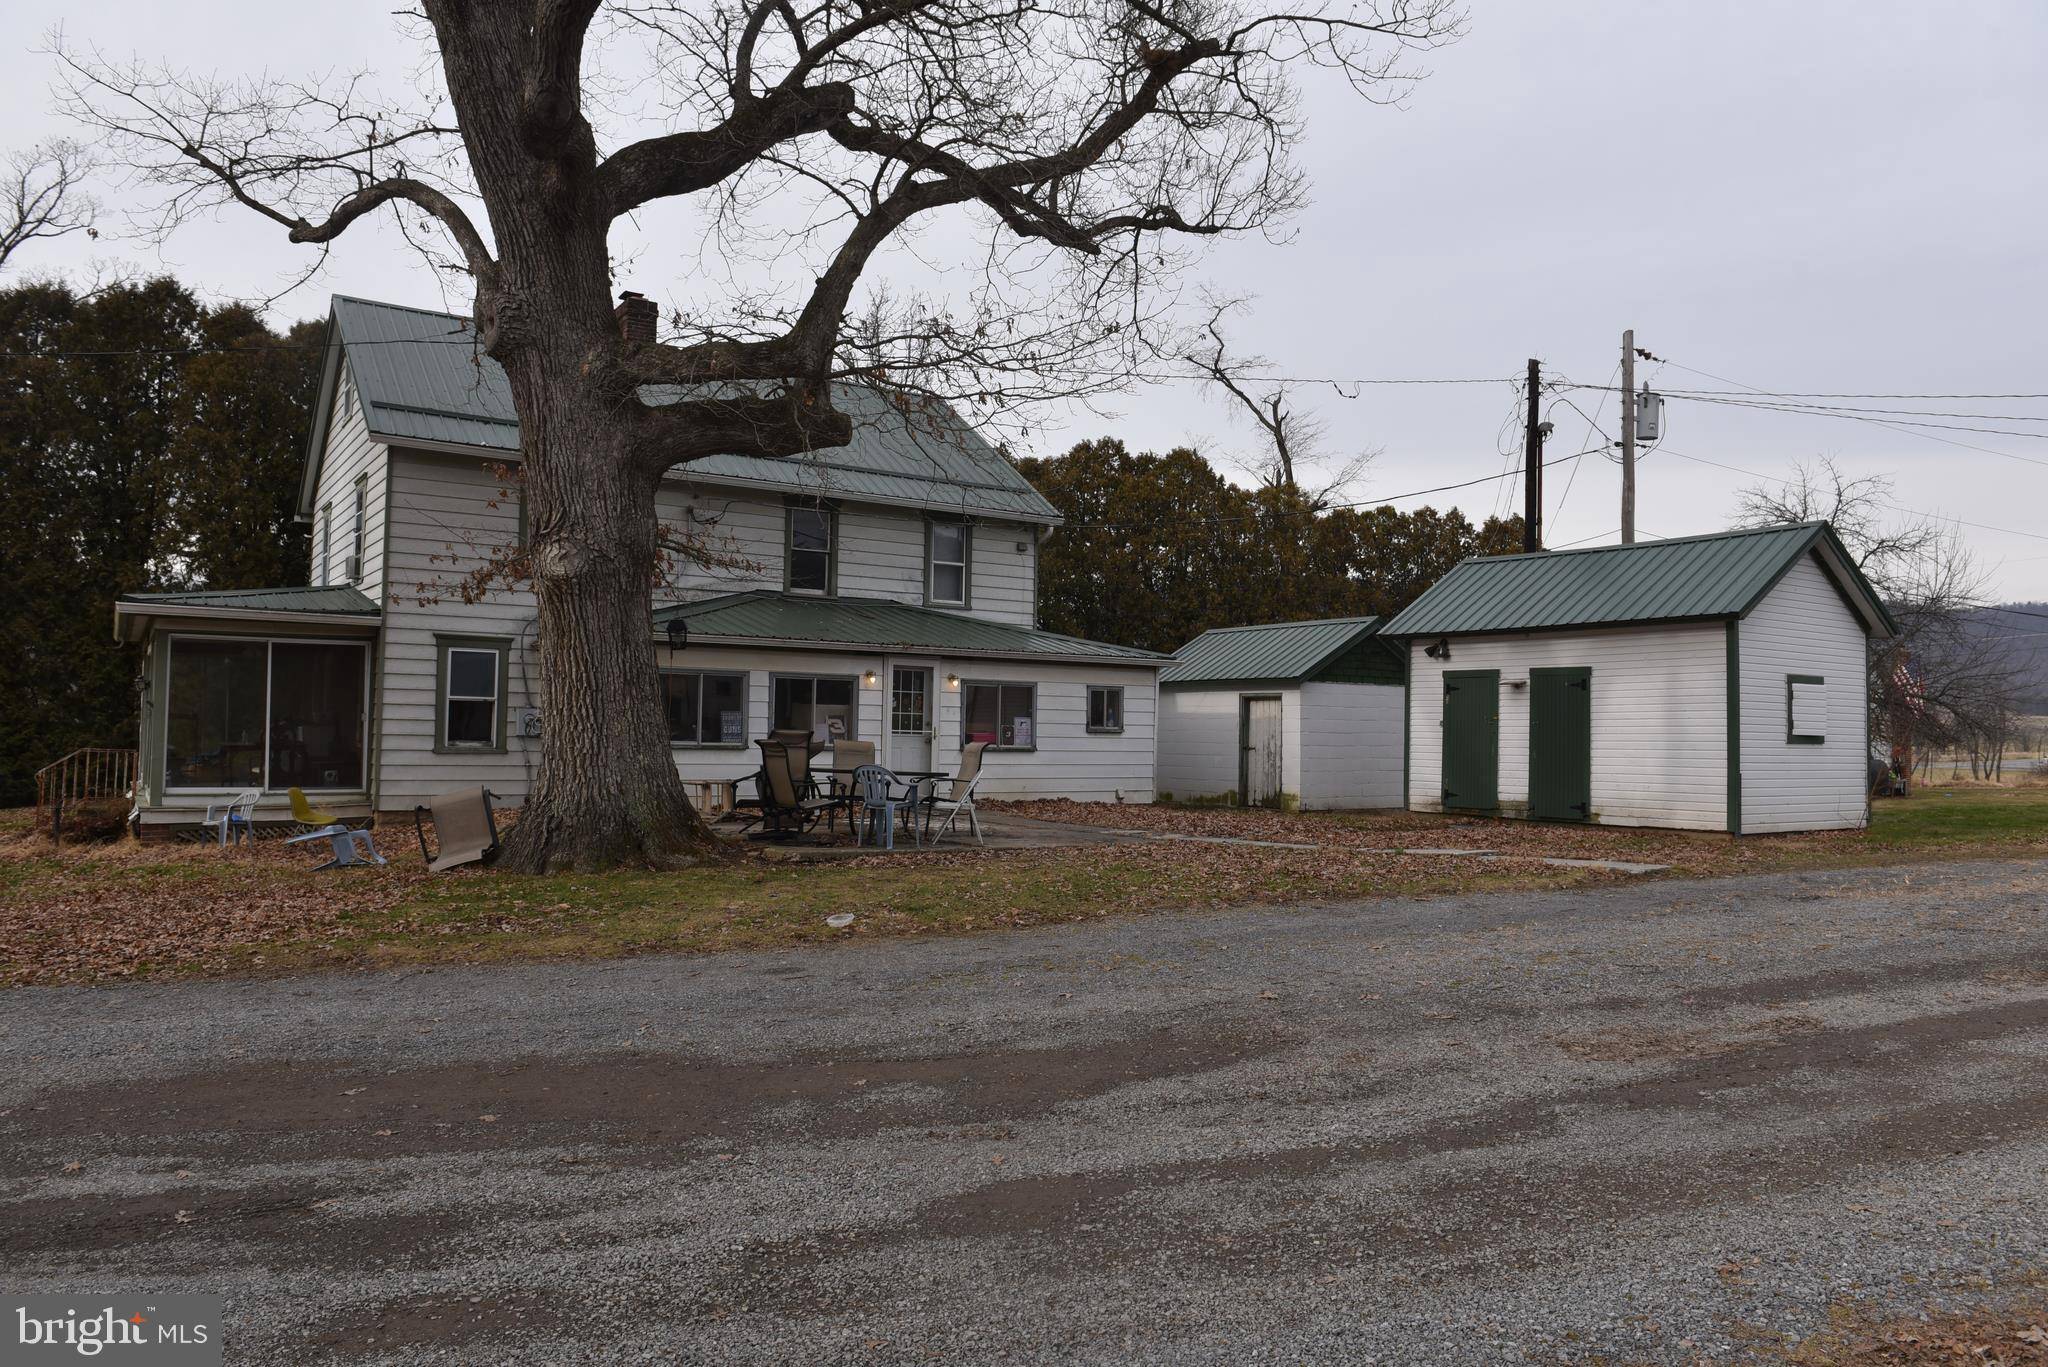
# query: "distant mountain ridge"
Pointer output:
{"type": "Point", "coordinates": [2025, 628]}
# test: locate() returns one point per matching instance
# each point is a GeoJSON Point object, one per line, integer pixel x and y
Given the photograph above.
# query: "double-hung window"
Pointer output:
{"type": "Point", "coordinates": [705, 709]}
{"type": "Point", "coordinates": [946, 546]}
{"type": "Point", "coordinates": [1105, 710]}
{"type": "Point", "coordinates": [1004, 715]}
{"type": "Point", "coordinates": [809, 552]}
{"type": "Point", "coordinates": [359, 540]}
{"type": "Point", "coordinates": [472, 692]}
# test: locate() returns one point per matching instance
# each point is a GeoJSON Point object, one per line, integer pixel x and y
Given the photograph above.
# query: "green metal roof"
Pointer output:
{"type": "Point", "coordinates": [1270, 652]}
{"type": "Point", "coordinates": [1695, 578]}
{"type": "Point", "coordinates": [331, 600]}
{"type": "Point", "coordinates": [423, 377]}
{"type": "Point", "coordinates": [870, 623]}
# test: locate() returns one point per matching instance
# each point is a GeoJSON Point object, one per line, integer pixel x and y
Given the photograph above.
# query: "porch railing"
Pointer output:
{"type": "Point", "coordinates": [79, 777]}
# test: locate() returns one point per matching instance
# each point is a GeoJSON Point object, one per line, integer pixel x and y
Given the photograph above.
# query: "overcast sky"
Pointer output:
{"type": "Point", "coordinates": [1829, 196]}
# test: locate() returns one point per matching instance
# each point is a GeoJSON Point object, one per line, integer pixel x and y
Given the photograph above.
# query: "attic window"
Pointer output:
{"type": "Point", "coordinates": [1806, 708]}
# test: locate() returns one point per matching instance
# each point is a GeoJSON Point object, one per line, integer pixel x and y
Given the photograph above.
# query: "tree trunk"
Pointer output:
{"type": "Point", "coordinates": [607, 794]}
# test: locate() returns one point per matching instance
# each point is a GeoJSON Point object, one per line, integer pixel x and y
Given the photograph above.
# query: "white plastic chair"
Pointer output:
{"type": "Point", "coordinates": [235, 818]}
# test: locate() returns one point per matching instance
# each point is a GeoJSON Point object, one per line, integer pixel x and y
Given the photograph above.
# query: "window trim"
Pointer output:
{"type": "Point", "coordinates": [746, 683]}
{"type": "Point", "coordinates": [360, 536]}
{"type": "Point", "coordinates": [1089, 711]}
{"type": "Point", "coordinates": [1792, 735]}
{"type": "Point", "coordinates": [853, 727]}
{"type": "Point", "coordinates": [162, 748]}
{"type": "Point", "coordinates": [931, 563]}
{"type": "Point", "coordinates": [831, 516]}
{"type": "Point", "coordinates": [966, 685]}
{"type": "Point", "coordinates": [443, 644]}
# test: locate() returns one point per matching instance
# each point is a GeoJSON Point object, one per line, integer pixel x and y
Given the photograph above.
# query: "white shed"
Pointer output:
{"type": "Point", "coordinates": [1708, 682]}
{"type": "Point", "coordinates": [1285, 714]}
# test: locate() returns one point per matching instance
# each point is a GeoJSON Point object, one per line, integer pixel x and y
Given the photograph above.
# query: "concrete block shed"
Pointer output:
{"type": "Point", "coordinates": [1284, 714]}
{"type": "Point", "coordinates": [1708, 682]}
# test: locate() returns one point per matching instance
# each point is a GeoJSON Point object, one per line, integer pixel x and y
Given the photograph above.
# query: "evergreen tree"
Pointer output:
{"type": "Point", "coordinates": [131, 458]}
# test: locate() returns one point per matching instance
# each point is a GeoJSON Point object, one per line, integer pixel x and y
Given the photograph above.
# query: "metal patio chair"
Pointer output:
{"type": "Point", "coordinates": [464, 825]}
{"type": "Point", "coordinates": [950, 799]}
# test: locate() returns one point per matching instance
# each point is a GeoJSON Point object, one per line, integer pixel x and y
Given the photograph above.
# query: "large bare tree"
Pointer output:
{"type": "Point", "coordinates": [1080, 138]}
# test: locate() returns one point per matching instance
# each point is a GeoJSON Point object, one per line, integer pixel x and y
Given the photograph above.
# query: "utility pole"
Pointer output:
{"type": "Point", "coordinates": [1628, 437]}
{"type": "Point", "coordinates": [1532, 464]}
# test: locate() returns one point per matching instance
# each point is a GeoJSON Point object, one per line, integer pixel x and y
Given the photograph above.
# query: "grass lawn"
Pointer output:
{"type": "Point", "coordinates": [123, 911]}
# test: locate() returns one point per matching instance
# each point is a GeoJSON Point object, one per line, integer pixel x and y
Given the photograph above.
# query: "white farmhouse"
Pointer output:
{"type": "Point", "coordinates": [1284, 714]}
{"type": "Point", "coordinates": [1708, 682]}
{"type": "Point", "coordinates": [885, 591]}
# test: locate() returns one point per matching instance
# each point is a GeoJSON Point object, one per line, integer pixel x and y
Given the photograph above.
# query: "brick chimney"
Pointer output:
{"type": "Point", "coordinates": [637, 315]}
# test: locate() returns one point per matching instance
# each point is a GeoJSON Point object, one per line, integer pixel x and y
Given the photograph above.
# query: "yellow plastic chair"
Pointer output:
{"type": "Point", "coordinates": [306, 814]}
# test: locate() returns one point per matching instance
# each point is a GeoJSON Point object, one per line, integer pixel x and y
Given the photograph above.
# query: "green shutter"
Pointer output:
{"type": "Point", "coordinates": [1561, 744]}
{"type": "Point", "coordinates": [1471, 777]}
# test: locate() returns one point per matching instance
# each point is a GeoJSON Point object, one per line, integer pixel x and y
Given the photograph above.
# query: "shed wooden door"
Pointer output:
{"type": "Point", "coordinates": [1472, 739]}
{"type": "Point", "coordinates": [1561, 744]}
{"type": "Point", "coordinates": [1261, 727]}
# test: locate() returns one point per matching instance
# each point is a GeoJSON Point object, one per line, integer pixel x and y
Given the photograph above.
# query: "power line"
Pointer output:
{"type": "Point", "coordinates": [1893, 507]}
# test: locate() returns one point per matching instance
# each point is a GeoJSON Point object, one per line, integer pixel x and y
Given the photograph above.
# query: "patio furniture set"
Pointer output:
{"type": "Point", "coordinates": [794, 794]}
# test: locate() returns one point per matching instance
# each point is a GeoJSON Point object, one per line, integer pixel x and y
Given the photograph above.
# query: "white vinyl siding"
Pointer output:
{"type": "Point", "coordinates": [1660, 721]}
{"type": "Point", "coordinates": [881, 553]}
{"type": "Point", "coordinates": [1350, 745]}
{"type": "Point", "coordinates": [1803, 627]}
{"type": "Point", "coordinates": [1340, 743]}
{"type": "Point", "coordinates": [350, 456]}
{"type": "Point", "coordinates": [1065, 761]}
{"type": "Point", "coordinates": [440, 507]}
{"type": "Point", "coordinates": [1199, 742]}
{"type": "Point", "coordinates": [1004, 572]}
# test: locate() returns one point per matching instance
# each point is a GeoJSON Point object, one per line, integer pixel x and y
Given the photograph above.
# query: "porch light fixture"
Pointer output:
{"type": "Point", "coordinates": [952, 681]}
{"type": "Point", "coordinates": [678, 633]}
{"type": "Point", "coordinates": [1441, 650]}
{"type": "Point", "coordinates": [870, 678]}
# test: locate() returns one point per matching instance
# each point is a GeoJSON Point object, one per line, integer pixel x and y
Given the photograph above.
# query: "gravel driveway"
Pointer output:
{"type": "Point", "coordinates": [1655, 1122]}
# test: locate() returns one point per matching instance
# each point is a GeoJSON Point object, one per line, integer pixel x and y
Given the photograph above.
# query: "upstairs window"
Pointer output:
{"type": "Point", "coordinates": [358, 540]}
{"type": "Point", "coordinates": [324, 566]}
{"type": "Point", "coordinates": [946, 577]}
{"type": "Point", "coordinates": [810, 550]}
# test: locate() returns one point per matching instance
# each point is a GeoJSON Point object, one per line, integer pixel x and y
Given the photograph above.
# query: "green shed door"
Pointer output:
{"type": "Point", "coordinates": [1561, 744]}
{"type": "Point", "coordinates": [1472, 739]}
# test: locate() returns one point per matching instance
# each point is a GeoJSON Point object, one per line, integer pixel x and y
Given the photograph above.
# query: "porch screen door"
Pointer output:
{"type": "Point", "coordinates": [910, 718]}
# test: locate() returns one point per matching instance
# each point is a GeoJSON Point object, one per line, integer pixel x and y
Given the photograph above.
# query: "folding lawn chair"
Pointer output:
{"type": "Point", "coordinates": [464, 826]}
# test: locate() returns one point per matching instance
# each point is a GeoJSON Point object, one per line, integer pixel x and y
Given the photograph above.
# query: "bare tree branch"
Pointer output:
{"type": "Point", "coordinates": [43, 196]}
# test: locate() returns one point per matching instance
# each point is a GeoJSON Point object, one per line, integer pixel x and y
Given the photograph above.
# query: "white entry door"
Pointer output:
{"type": "Point", "coordinates": [1261, 751]}
{"type": "Point", "coordinates": [910, 718]}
